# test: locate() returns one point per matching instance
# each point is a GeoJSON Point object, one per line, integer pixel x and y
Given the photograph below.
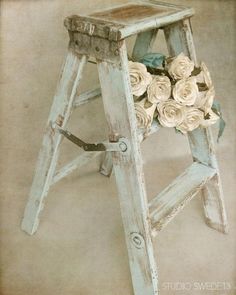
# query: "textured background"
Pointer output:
{"type": "Point", "coordinates": [79, 247]}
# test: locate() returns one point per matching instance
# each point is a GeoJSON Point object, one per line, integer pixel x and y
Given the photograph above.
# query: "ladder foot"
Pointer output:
{"type": "Point", "coordinates": [106, 167]}
{"type": "Point", "coordinates": [223, 228]}
{"type": "Point", "coordinates": [29, 227]}
{"type": "Point", "coordinates": [104, 172]}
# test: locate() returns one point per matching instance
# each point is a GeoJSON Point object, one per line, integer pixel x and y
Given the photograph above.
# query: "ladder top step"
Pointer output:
{"type": "Point", "coordinates": [122, 21]}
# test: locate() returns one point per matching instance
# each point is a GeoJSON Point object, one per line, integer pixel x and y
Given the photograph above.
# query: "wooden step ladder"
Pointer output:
{"type": "Point", "coordinates": [101, 36]}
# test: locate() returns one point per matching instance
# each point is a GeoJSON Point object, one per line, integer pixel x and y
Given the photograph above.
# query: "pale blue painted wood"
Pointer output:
{"type": "Point", "coordinates": [87, 97]}
{"type": "Point", "coordinates": [78, 162]}
{"type": "Point", "coordinates": [120, 114]}
{"type": "Point", "coordinates": [167, 204]}
{"type": "Point", "coordinates": [179, 39]}
{"type": "Point", "coordinates": [107, 165]}
{"type": "Point", "coordinates": [144, 43]}
{"type": "Point", "coordinates": [47, 160]}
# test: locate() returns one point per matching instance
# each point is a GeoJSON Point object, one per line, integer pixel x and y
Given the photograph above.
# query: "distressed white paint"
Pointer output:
{"type": "Point", "coordinates": [143, 44]}
{"type": "Point", "coordinates": [119, 110]}
{"type": "Point", "coordinates": [179, 39]}
{"type": "Point", "coordinates": [107, 165]}
{"type": "Point", "coordinates": [59, 115]}
{"type": "Point", "coordinates": [176, 196]}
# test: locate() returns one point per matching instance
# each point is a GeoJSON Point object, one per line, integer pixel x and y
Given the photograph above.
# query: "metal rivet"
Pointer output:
{"type": "Point", "coordinates": [137, 240]}
{"type": "Point", "coordinates": [123, 147]}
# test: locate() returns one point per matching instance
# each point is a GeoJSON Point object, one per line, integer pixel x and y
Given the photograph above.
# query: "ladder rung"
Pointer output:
{"type": "Point", "coordinates": [81, 160]}
{"type": "Point", "coordinates": [86, 97]}
{"type": "Point", "coordinates": [174, 198]}
{"type": "Point", "coordinates": [85, 157]}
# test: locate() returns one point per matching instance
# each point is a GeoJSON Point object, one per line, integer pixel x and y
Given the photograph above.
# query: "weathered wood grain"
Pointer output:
{"type": "Point", "coordinates": [158, 22]}
{"type": "Point", "coordinates": [121, 22]}
{"type": "Point", "coordinates": [59, 115]}
{"type": "Point", "coordinates": [143, 44]}
{"type": "Point", "coordinates": [119, 110]}
{"type": "Point", "coordinates": [179, 39]}
{"type": "Point", "coordinates": [166, 205]}
{"type": "Point", "coordinates": [203, 150]}
{"type": "Point", "coordinates": [165, 4]}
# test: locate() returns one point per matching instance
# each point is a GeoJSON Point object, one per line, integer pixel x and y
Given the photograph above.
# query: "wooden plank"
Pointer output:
{"type": "Point", "coordinates": [86, 97]}
{"type": "Point", "coordinates": [143, 45]}
{"type": "Point", "coordinates": [165, 4]}
{"type": "Point", "coordinates": [155, 23]}
{"type": "Point", "coordinates": [166, 205]}
{"type": "Point", "coordinates": [122, 21]}
{"type": "Point", "coordinates": [179, 39]}
{"type": "Point", "coordinates": [120, 114]}
{"type": "Point", "coordinates": [202, 147]}
{"type": "Point", "coordinates": [81, 160]}
{"type": "Point", "coordinates": [59, 115]}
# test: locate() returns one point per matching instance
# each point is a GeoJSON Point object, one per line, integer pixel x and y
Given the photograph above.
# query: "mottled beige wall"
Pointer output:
{"type": "Point", "coordinates": [79, 248]}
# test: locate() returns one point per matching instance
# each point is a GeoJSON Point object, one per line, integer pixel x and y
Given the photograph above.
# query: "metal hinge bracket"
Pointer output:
{"type": "Point", "coordinates": [121, 145]}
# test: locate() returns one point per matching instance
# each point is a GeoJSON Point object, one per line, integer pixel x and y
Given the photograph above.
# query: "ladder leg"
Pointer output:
{"type": "Point", "coordinates": [143, 45]}
{"type": "Point", "coordinates": [107, 165]}
{"type": "Point", "coordinates": [119, 110]}
{"type": "Point", "coordinates": [48, 155]}
{"type": "Point", "coordinates": [179, 39]}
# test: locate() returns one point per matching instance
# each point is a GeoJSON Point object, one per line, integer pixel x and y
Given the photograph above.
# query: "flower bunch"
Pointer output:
{"type": "Point", "coordinates": [178, 94]}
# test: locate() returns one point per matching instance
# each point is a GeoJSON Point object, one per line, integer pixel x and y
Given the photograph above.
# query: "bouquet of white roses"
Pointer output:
{"type": "Point", "coordinates": [174, 92]}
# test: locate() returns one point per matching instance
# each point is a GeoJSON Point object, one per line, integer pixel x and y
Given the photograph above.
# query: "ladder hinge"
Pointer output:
{"type": "Point", "coordinates": [121, 145]}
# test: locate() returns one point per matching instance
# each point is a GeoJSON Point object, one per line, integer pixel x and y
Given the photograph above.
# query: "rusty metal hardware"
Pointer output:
{"type": "Point", "coordinates": [121, 145]}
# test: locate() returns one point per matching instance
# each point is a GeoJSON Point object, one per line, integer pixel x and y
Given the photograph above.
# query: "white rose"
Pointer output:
{"type": "Point", "coordinates": [194, 117]}
{"type": "Point", "coordinates": [212, 119]}
{"type": "Point", "coordinates": [171, 113]}
{"type": "Point", "coordinates": [139, 78]}
{"type": "Point", "coordinates": [204, 76]}
{"type": "Point", "coordinates": [205, 100]}
{"type": "Point", "coordinates": [186, 91]}
{"type": "Point", "coordinates": [159, 89]}
{"type": "Point", "coordinates": [144, 115]}
{"type": "Point", "coordinates": [180, 67]}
